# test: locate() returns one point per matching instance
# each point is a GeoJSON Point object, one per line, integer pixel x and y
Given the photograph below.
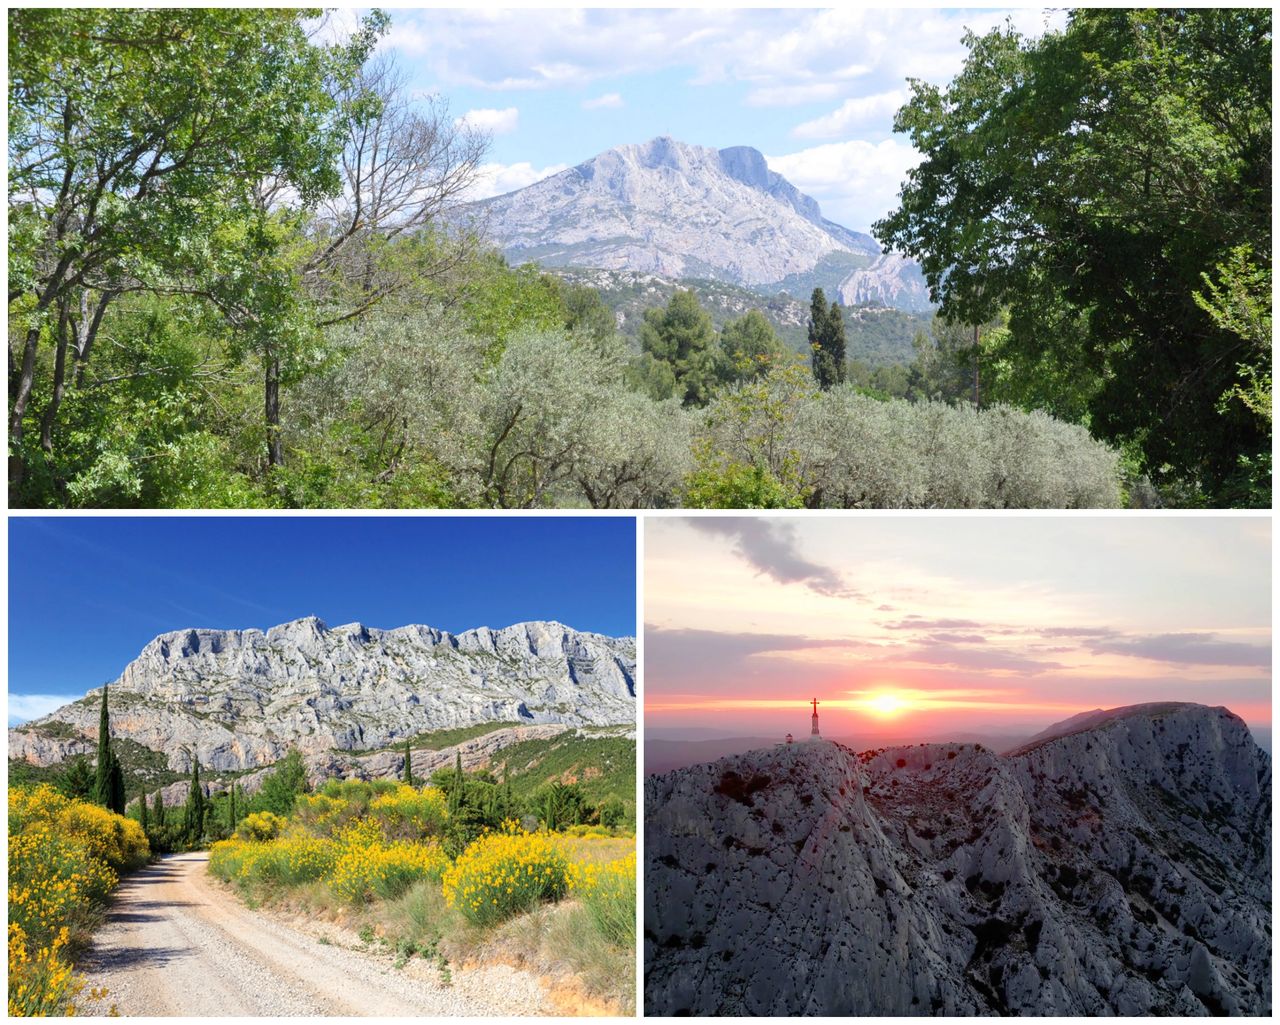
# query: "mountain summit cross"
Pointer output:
{"type": "Point", "coordinates": [814, 732]}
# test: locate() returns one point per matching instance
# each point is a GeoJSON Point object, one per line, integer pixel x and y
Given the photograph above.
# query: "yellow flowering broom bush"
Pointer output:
{"type": "Point", "coordinates": [260, 826]}
{"type": "Point", "coordinates": [410, 814]}
{"type": "Point", "coordinates": [63, 856]}
{"type": "Point", "coordinates": [608, 891]}
{"type": "Point", "coordinates": [384, 870]}
{"type": "Point", "coordinates": [505, 873]}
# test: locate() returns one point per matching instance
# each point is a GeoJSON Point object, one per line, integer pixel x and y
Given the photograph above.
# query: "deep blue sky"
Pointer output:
{"type": "Point", "coordinates": [85, 594]}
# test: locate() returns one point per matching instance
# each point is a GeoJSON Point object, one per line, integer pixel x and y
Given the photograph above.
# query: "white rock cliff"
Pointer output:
{"type": "Point", "coordinates": [241, 698]}
{"type": "Point", "coordinates": [1120, 868]}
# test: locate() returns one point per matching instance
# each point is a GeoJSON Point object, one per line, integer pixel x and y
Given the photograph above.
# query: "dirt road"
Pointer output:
{"type": "Point", "coordinates": [178, 943]}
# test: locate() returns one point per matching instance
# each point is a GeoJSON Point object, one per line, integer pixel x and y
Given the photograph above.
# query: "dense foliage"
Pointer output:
{"type": "Point", "coordinates": [64, 859]}
{"type": "Point", "coordinates": [1109, 187]}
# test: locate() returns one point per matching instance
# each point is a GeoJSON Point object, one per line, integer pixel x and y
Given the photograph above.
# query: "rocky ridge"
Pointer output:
{"type": "Point", "coordinates": [1122, 868]}
{"type": "Point", "coordinates": [239, 699]}
{"type": "Point", "coordinates": [668, 208]}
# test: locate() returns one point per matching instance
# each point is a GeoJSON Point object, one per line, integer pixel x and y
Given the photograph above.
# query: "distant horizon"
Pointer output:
{"type": "Point", "coordinates": [907, 627]}
{"type": "Point", "coordinates": [120, 582]}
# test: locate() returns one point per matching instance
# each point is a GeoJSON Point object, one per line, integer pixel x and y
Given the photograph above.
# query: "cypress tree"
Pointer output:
{"type": "Point", "coordinates": [159, 809]}
{"type": "Point", "coordinates": [193, 820]}
{"type": "Point", "coordinates": [507, 807]}
{"type": "Point", "coordinates": [142, 812]}
{"type": "Point", "coordinates": [408, 765]}
{"type": "Point", "coordinates": [455, 795]}
{"type": "Point", "coordinates": [833, 342]}
{"type": "Point", "coordinates": [102, 771]}
{"type": "Point", "coordinates": [231, 815]}
{"type": "Point", "coordinates": [115, 800]}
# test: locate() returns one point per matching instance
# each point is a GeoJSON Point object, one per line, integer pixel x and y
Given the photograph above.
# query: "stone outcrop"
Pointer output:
{"type": "Point", "coordinates": [1119, 866]}
{"type": "Point", "coordinates": [239, 699]}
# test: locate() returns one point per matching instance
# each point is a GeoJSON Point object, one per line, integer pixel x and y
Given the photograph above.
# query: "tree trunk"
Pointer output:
{"type": "Point", "coordinates": [977, 391]}
{"type": "Point", "coordinates": [89, 333]}
{"type": "Point", "coordinates": [59, 381]}
{"type": "Point", "coordinates": [275, 450]}
{"type": "Point", "coordinates": [21, 396]}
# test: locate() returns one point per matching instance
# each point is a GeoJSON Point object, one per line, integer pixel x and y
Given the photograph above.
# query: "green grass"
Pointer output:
{"type": "Point", "coordinates": [438, 740]}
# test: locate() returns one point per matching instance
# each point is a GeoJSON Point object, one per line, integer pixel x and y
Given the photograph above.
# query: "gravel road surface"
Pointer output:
{"type": "Point", "coordinates": [176, 942]}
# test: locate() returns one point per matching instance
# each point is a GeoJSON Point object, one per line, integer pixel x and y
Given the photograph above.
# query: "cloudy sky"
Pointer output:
{"type": "Point", "coordinates": [814, 90]}
{"type": "Point", "coordinates": [950, 624]}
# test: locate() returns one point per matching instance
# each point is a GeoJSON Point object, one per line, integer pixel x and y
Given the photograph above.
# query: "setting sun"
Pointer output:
{"type": "Point", "coordinates": [886, 704]}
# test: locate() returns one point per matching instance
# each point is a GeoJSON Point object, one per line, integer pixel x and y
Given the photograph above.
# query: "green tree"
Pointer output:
{"type": "Point", "coordinates": [749, 346]}
{"type": "Point", "coordinates": [142, 148]}
{"type": "Point", "coordinates": [683, 336]}
{"type": "Point", "coordinates": [456, 788]}
{"type": "Point", "coordinates": [77, 779]}
{"type": "Point", "coordinates": [1093, 176]}
{"type": "Point", "coordinates": [193, 814]}
{"type": "Point", "coordinates": [159, 809]}
{"type": "Point", "coordinates": [612, 812]}
{"type": "Point", "coordinates": [407, 771]}
{"type": "Point", "coordinates": [102, 769]}
{"type": "Point", "coordinates": [144, 820]}
{"type": "Point", "coordinates": [282, 785]}
{"type": "Point", "coordinates": [232, 817]}
{"type": "Point", "coordinates": [116, 800]}
{"type": "Point", "coordinates": [826, 340]}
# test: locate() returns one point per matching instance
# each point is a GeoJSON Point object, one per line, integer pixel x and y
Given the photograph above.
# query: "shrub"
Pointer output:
{"type": "Point", "coordinates": [608, 892]}
{"type": "Point", "coordinates": [410, 814]}
{"type": "Point", "coordinates": [63, 857]}
{"type": "Point", "coordinates": [367, 871]}
{"type": "Point", "coordinates": [261, 826]}
{"type": "Point", "coordinates": [503, 874]}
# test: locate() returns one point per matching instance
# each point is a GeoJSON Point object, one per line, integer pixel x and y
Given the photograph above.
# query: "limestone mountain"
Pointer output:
{"type": "Point", "coordinates": [1117, 868]}
{"type": "Point", "coordinates": [667, 208]}
{"type": "Point", "coordinates": [240, 699]}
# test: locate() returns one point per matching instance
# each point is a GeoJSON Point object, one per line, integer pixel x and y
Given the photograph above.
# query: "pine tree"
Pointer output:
{"type": "Point", "coordinates": [193, 820]}
{"type": "Point", "coordinates": [115, 796]}
{"type": "Point", "coordinates": [102, 772]}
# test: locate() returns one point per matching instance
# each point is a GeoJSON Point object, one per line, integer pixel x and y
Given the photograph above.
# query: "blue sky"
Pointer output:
{"type": "Point", "coordinates": [86, 594]}
{"type": "Point", "coordinates": [814, 90]}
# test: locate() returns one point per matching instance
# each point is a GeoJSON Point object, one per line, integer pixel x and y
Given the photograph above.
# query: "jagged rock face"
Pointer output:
{"type": "Point", "coordinates": [664, 207]}
{"type": "Point", "coordinates": [241, 698]}
{"type": "Point", "coordinates": [890, 280]}
{"type": "Point", "coordinates": [1122, 869]}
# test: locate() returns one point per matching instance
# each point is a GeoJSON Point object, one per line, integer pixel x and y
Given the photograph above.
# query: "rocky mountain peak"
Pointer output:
{"type": "Point", "coordinates": [1122, 868]}
{"type": "Point", "coordinates": [671, 208]}
{"type": "Point", "coordinates": [240, 698]}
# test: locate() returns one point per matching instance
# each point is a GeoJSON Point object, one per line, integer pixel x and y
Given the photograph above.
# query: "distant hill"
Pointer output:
{"type": "Point", "coordinates": [878, 335]}
{"type": "Point", "coordinates": [691, 212]}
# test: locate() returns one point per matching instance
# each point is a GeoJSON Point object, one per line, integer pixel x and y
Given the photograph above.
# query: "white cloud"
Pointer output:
{"type": "Point", "coordinates": [25, 707]}
{"type": "Point", "coordinates": [498, 179]}
{"type": "Point", "coordinates": [793, 95]}
{"type": "Point", "coordinates": [861, 110]}
{"type": "Point", "coordinates": [856, 182]}
{"type": "Point", "coordinates": [609, 101]}
{"type": "Point", "coordinates": [809, 52]}
{"type": "Point", "coordinates": [496, 122]}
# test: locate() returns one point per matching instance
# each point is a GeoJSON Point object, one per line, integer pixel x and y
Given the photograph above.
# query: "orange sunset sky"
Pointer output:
{"type": "Point", "coordinates": [910, 625]}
